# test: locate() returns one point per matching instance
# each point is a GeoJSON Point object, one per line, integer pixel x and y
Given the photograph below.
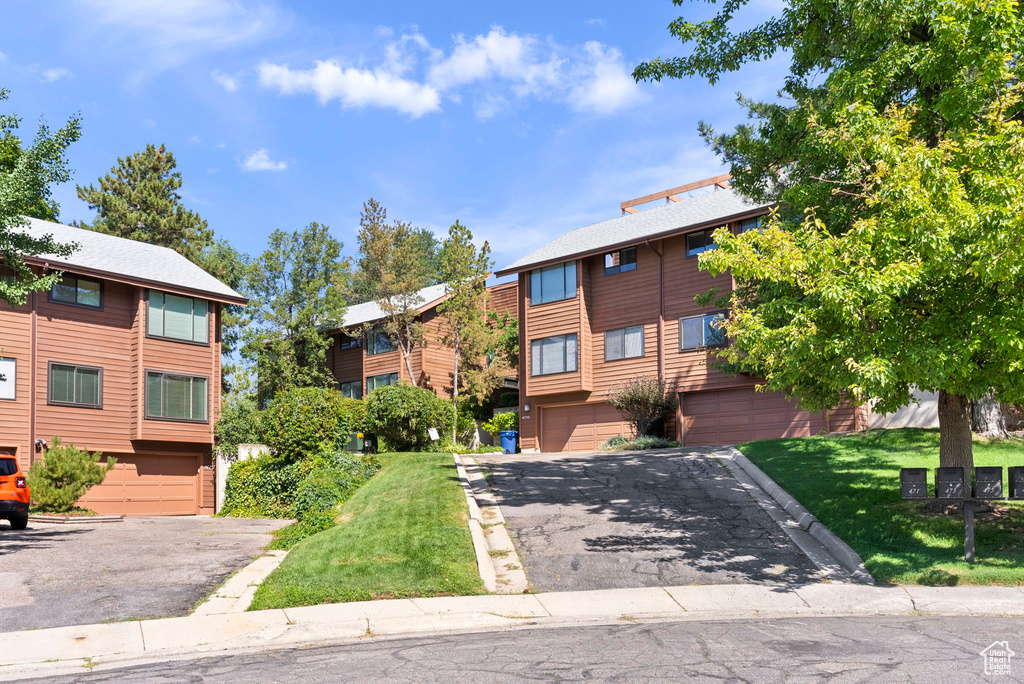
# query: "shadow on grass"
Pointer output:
{"type": "Point", "coordinates": [851, 483]}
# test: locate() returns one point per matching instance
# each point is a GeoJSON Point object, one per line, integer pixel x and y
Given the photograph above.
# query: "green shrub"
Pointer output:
{"type": "Point", "coordinates": [508, 400]}
{"type": "Point", "coordinates": [638, 444]}
{"type": "Point", "coordinates": [64, 475]}
{"type": "Point", "coordinates": [401, 414]}
{"type": "Point", "coordinates": [261, 487]}
{"type": "Point", "coordinates": [241, 422]}
{"type": "Point", "coordinates": [331, 480]}
{"type": "Point", "coordinates": [290, 535]}
{"type": "Point", "coordinates": [501, 421]}
{"type": "Point", "coordinates": [644, 401]}
{"type": "Point", "coordinates": [354, 412]}
{"type": "Point", "coordinates": [301, 422]}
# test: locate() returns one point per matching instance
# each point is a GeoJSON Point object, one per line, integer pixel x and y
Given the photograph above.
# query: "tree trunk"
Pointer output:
{"type": "Point", "coordinates": [955, 447]}
{"type": "Point", "coordinates": [407, 357]}
{"type": "Point", "coordinates": [987, 418]}
{"type": "Point", "coordinates": [455, 393]}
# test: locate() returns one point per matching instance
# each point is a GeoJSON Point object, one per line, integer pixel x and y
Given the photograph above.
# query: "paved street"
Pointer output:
{"type": "Point", "coordinates": [614, 520]}
{"type": "Point", "coordinates": [835, 650]}
{"type": "Point", "coordinates": [56, 575]}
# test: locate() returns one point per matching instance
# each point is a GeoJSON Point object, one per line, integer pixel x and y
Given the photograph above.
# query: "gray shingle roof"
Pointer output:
{"type": "Point", "coordinates": [371, 311]}
{"type": "Point", "coordinates": [702, 209]}
{"type": "Point", "coordinates": [128, 258]}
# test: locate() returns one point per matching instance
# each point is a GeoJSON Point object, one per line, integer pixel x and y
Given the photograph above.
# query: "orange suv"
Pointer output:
{"type": "Point", "coordinates": [14, 492]}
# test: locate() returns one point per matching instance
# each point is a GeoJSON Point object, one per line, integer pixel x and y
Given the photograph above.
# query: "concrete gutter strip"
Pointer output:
{"type": "Point", "coordinates": [511, 577]}
{"type": "Point", "coordinates": [842, 551]}
{"type": "Point", "coordinates": [483, 559]}
{"type": "Point", "coordinates": [51, 652]}
{"type": "Point", "coordinates": [236, 595]}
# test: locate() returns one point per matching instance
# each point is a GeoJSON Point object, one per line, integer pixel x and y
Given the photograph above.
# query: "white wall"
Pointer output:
{"type": "Point", "coordinates": [924, 414]}
{"type": "Point", "coordinates": [224, 461]}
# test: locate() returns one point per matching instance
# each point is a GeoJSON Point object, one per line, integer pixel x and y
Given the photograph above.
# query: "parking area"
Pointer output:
{"type": "Point", "coordinates": [58, 575]}
{"type": "Point", "coordinates": [639, 519]}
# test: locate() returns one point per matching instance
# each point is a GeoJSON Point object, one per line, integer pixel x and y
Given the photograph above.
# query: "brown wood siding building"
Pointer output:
{"type": "Point", "coordinates": [568, 411]}
{"type": "Point", "coordinates": [160, 462]}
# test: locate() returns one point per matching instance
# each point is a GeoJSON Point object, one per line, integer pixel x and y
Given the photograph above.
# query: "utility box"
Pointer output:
{"type": "Point", "coordinates": [914, 483]}
{"type": "Point", "coordinates": [1017, 482]}
{"type": "Point", "coordinates": [949, 483]}
{"type": "Point", "coordinates": [355, 442]}
{"type": "Point", "coordinates": [988, 482]}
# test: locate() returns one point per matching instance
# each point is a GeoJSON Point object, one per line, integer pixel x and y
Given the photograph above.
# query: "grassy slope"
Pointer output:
{"type": "Point", "coordinates": [851, 484]}
{"type": "Point", "coordinates": [404, 533]}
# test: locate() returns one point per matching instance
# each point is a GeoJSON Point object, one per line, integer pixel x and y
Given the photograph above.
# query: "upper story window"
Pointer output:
{"type": "Point", "coordinates": [382, 380]}
{"type": "Point", "coordinates": [624, 343]}
{"type": "Point", "coordinates": [346, 342]}
{"type": "Point", "coordinates": [76, 385]}
{"type": "Point", "coordinates": [78, 292]}
{"type": "Point", "coordinates": [699, 242]}
{"type": "Point", "coordinates": [8, 379]}
{"type": "Point", "coordinates": [170, 396]}
{"type": "Point", "coordinates": [177, 318]}
{"type": "Point", "coordinates": [378, 341]}
{"type": "Point", "coordinates": [749, 224]}
{"type": "Point", "coordinates": [552, 355]}
{"type": "Point", "coordinates": [553, 283]}
{"type": "Point", "coordinates": [352, 390]}
{"type": "Point", "coordinates": [620, 261]}
{"type": "Point", "coordinates": [696, 332]}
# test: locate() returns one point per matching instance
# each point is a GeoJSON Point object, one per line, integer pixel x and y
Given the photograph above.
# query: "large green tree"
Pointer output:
{"type": "Point", "coordinates": [896, 158]}
{"type": "Point", "coordinates": [139, 200]}
{"type": "Point", "coordinates": [464, 269]}
{"type": "Point", "coordinates": [26, 175]}
{"type": "Point", "coordinates": [296, 287]}
{"type": "Point", "coordinates": [428, 253]}
{"type": "Point", "coordinates": [390, 257]}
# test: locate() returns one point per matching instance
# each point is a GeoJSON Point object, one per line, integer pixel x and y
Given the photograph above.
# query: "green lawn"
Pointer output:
{"type": "Point", "coordinates": [402, 534]}
{"type": "Point", "coordinates": [851, 483]}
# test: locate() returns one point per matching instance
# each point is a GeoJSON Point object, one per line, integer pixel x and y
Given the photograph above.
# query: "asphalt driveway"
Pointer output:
{"type": "Point", "coordinates": [638, 519]}
{"type": "Point", "coordinates": [58, 575]}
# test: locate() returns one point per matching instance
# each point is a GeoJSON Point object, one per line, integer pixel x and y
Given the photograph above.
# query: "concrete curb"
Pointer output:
{"type": "Point", "coordinates": [236, 595]}
{"type": "Point", "coordinates": [67, 650]}
{"type": "Point", "coordinates": [839, 549]}
{"type": "Point", "coordinates": [483, 559]}
{"type": "Point", "coordinates": [511, 577]}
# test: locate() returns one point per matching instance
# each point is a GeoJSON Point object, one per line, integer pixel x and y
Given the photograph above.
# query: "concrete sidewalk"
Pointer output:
{"type": "Point", "coordinates": [69, 649]}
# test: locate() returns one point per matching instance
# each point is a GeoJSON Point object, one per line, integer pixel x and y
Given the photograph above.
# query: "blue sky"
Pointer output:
{"type": "Point", "coordinates": [517, 118]}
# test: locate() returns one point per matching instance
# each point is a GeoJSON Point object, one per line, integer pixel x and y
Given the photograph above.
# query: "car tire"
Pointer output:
{"type": "Point", "coordinates": [19, 522]}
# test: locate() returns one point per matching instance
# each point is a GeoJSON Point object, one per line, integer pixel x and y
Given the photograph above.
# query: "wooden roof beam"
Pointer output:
{"type": "Point", "coordinates": [672, 195]}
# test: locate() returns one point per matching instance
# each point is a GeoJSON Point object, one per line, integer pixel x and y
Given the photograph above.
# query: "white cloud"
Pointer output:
{"type": "Point", "coordinates": [260, 161]}
{"type": "Point", "coordinates": [225, 81]}
{"type": "Point", "coordinates": [495, 69]}
{"type": "Point", "coordinates": [55, 74]}
{"type": "Point", "coordinates": [3, 59]}
{"type": "Point", "coordinates": [596, 21]}
{"type": "Point", "coordinates": [194, 140]}
{"type": "Point", "coordinates": [603, 84]}
{"type": "Point", "coordinates": [329, 80]}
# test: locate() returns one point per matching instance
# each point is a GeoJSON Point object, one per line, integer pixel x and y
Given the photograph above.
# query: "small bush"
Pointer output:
{"type": "Point", "coordinates": [401, 415]}
{"type": "Point", "coordinates": [300, 422]}
{"type": "Point", "coordinates": [644, 401]}
{"type": "Point", "coordinates": [638, 444]}
{"type": "Point", "coordinates": [508, 400]}
{"type": "Point", "coordinates": [261, 487]}
{"type": "Point", "coordinates": [501, 421]}
{"type": "Point", "coordinates": [64, 475]}
{"type": "Point", "coordinates": [241, 422]}
{"type": "Point", "coordinates": [354, 413]}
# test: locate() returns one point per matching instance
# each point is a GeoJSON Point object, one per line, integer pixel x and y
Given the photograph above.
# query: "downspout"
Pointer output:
{"type": "Point", "coordinates": [32, 385]}
{"type": "Point", "coordinates": [661, 310]}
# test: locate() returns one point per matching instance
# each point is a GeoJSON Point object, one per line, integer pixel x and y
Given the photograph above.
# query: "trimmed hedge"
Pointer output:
{"type": "Point", "coordinates": [401, 415]}
{"type": "Point", "coordinates": [302, 422]}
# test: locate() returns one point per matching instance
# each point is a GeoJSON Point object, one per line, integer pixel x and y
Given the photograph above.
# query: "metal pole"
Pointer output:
{"type": "Point", "coordinates": [969, 531]}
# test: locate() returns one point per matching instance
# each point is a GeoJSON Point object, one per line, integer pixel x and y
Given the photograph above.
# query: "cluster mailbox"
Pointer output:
{"type": "Point", "coordinates": [988, 482]}
{"type": "Point", "coordinates": [949, 483]}
{"type": "Point", "coordinates": [914, 483]}
{"type": "Point", "coordinates": [1017, 482]}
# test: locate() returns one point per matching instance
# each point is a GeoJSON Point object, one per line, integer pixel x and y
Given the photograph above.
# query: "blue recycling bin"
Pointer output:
{"type": "Point", "coordinates": [508, 441]}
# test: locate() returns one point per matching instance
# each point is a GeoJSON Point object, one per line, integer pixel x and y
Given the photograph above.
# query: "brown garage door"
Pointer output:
{"type": "Point", "coordinates": [148, 484]}
{"type": "Point", "coordinates": [582, 427]}
{"type": "Point", "coordinates": [742, 415]}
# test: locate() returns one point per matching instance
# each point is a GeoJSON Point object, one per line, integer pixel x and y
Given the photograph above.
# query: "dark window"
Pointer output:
{"type": "Point", "coordinates": [697, 332]}
{"type": "Point", "coordinates": [8, 466]}
{"type": "Point", "coordinates": [624, 343]}
{"type": "Point", "coordinates": [352, 390]}
{"type": "Point", "coordinates": [346, 342]}
{"type": "Point", "coordinates": [553, 283]}
{"type": "Point", "coordinates": [177, 318]}
{"type": "Point", "coordinates": [8, 379]}
{"type": "Point", "coordinates": [76, 385]}
{"type": "Point", "coordinates": [176, 397]}
{"type": "Point", "coordinates": [699, 242]}
{"type": "Point", "coordinates": [78, 292]}
{"type": "Point", "coordinates": [375, 381]}
{"type": "Point", "coordinates": [749, 224]}
{"type": "Point", "coordinates": [553, 355]}
{"type": "Point", "coordinates": [378, 341]}
{"type": "Point", "coordinates": [620, 261]}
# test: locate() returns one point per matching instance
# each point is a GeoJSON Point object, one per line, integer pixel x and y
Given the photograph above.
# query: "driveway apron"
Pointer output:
{"type": "Point", "coordinates": [639, 519]}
